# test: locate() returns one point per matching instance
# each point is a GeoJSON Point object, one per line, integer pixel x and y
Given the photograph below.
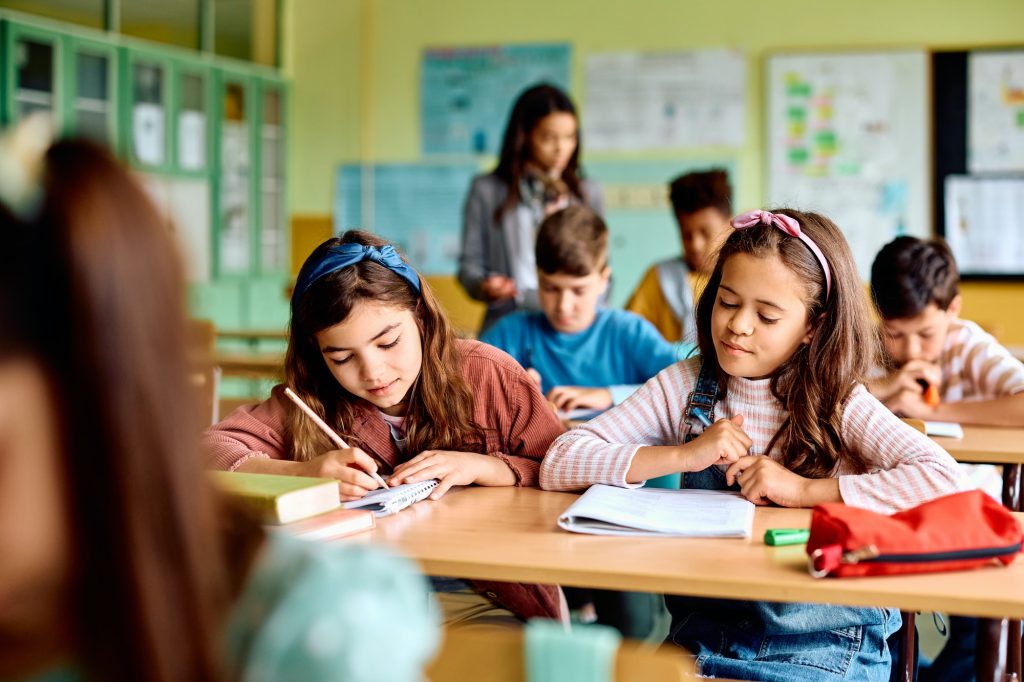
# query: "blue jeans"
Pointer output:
{"type": "Point", "coordinates": [780, 642]}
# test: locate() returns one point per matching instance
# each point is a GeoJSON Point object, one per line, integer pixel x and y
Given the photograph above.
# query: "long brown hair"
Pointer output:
{"type": "Point", "coordinates": [440, 415]}
{"type": "Point", "coordinates": [150, 578]}
{"type": "Point", "coordinates": [531, 107]}
{"type": "Point", "coordinates": [814, 383]}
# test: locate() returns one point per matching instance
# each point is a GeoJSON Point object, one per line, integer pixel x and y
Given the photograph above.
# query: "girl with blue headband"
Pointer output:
{"type": "Point", "coordinates": [371, 351]}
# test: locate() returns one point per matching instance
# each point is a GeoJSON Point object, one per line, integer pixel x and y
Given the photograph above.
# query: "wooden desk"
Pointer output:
{"type": "Point", "coordinates": [510, 534]}
{"type": "Point", "coordinates": [253, 334]}
{"type": "Point", "coordinates": [992, 445]}
{"type": "Point", "coordinates": [250, 365]}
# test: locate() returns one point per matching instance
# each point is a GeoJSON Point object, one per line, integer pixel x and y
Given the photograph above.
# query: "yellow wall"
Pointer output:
{"type": "Point", "coordinates": [355, 68]}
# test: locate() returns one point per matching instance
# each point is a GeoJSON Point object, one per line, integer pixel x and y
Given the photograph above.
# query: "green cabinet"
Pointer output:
{"type": "Point", "coordinates": [205, 135]}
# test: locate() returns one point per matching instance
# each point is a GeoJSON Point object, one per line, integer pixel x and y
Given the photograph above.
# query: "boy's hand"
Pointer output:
{"type": "Point", "coordinates": [498, 287]}
{"type": "Point", "coordinates": [453, 468]}
{"type": "Point", "coordinates": [724, 442]}
{"type": "Point", "coordinates": [567, 398]}
{"type": "Point", "coordinates": [352, 468]}
{"type": "Point", "coordinates": [910, 403]}
{"type": "Point", "coordinates": [764, 481]}
{"type": "Point", "coordinates": [906, 378]}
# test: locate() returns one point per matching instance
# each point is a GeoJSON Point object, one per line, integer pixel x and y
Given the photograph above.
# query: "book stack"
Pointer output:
{"type": "Point", "coordinates": [307, 507]}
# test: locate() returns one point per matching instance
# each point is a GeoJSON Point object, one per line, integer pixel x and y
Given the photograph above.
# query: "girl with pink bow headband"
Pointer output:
{"type": "Point", "coordinates": [775, 409]}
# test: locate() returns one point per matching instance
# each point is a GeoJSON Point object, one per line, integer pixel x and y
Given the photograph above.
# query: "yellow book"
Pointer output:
{"type": "Point", "coordinates": [280, 499]}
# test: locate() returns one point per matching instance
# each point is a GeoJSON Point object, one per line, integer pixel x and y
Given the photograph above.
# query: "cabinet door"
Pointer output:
{"type": "Point", "coordinates": [192, 119]}
{"type": "Point", "coordinates": [273, 219]}
{"type": "Point", "coordinates": [92, 86]}
{"type": "Point", "coordinates": [147, 111]}
{"type": "Point", "coordinates": [234, 177]}
{"type": "Point", "coordinates": [33, 73]}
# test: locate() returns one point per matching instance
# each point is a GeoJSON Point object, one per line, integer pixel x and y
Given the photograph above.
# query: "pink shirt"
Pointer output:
{"type": "Point", "coordinates": [908, 467]}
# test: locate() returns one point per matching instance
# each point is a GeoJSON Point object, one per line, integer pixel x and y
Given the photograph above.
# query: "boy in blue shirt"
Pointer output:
{"type": "Point", "coordinates": [586, 356]}
{"type": "Point", "coordinates": [583, 355]}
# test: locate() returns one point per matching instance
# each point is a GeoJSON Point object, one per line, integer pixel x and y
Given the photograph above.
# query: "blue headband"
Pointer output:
{"type": "Point", "coordinates": [344, 255]}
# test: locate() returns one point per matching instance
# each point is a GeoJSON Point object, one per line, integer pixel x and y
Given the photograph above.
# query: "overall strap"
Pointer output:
{"type": "Point", "coordinates": [702, 398]}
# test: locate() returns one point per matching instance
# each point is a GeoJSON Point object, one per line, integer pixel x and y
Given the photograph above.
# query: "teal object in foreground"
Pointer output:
{"type": "Point", "coordinates": [324, 612]}
{"type": "Point", "coordinates": [554, 653]}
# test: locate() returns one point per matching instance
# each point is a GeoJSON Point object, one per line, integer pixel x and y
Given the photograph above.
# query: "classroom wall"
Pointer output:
{"type": "Point", "coordinates": [355, 70]}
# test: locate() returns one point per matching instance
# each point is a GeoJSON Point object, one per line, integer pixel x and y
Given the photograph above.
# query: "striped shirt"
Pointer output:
{"type": "Point", "coordinates": [975, 366]}
{"type": "Point", "coordinates": [907, 467]}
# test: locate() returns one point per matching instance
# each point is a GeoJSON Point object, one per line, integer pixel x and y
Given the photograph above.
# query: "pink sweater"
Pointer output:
{"type": "Point", "coordinates": [909, 467]}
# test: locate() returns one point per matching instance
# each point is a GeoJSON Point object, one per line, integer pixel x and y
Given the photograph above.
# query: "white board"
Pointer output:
{"type": "Point", "coordinates": [656, 100]}
{"type": "Point", "coordinates": [995, 112]}
{"type": "Point", "coordinates": [847, 136]}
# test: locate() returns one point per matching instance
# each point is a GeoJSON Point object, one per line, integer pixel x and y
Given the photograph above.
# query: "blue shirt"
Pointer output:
{"type": "Point", "coordinates": [618, 351]}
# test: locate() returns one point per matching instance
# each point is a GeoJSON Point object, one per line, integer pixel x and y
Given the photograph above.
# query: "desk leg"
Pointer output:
{"type": "Point", "coordinates": [907, 645]}
{"type": "Point", "coordinates": [986, 662]}
{"type": "Point", "coordinates": [1011, 487]}
{"type": "Point", "coordinates": [1012, 500]}
{"type": "Point", "coordinates": [1013, 644]}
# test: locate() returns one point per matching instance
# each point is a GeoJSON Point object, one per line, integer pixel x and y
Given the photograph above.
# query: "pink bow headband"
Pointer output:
{"type": "Point", "coordinates": [791, 227]}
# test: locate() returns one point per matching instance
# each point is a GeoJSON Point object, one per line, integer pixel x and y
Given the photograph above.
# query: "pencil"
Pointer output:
{"type": "Point", "coordinates": [335, 438]}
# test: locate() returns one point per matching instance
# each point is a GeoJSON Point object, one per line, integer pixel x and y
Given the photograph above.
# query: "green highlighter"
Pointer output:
{"type": "Point", "coordinates": [777, 537]}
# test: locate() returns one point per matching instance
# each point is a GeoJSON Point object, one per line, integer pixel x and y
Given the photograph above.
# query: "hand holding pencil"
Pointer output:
{"type": "Point", "coordinates": [357, 459]}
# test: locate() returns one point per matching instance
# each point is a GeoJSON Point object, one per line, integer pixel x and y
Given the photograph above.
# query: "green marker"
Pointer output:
{"type": "Point", "coordinates": [777, 537]}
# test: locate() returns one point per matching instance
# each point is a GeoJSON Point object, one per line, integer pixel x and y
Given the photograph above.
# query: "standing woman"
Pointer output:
{"type": "Point", "coordinates": [538, 173]}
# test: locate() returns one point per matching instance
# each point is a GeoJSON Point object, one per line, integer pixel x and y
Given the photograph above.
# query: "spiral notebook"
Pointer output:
{"type": "Point", "coordinates": [384, 502]}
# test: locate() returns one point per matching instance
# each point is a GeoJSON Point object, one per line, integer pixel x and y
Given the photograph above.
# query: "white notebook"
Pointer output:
{"type": "Point", "coordinates": [383, 502]}
{"type": "Point", "coordinates": [608, 510]}
{"type": "Point", "coordinates": [944, 429]}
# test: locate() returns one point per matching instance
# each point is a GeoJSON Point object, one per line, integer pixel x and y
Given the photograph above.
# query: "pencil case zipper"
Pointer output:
{"type": "Point", "coordinates": [871, 554]}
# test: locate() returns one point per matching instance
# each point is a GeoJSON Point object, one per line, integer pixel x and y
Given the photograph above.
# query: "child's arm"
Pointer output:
{"type": "Point", "coordinates": [1007, 410]}
{"type": "Point", "coordinates": [907, 467]}
{"type": "Point", "coordinates": [907, 378]}
{"type": "Point", "coordinates": [525, 424]}
{"type": "Point", "coordinates": [250, 439]}
{"type": "Point", "coordinates": [603, 449]}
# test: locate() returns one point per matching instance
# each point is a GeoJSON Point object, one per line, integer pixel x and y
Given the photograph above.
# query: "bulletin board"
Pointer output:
{"type": "Point", "coordinates": [978, 103]}
{"type": "Point", "coordinates": [847, 136]}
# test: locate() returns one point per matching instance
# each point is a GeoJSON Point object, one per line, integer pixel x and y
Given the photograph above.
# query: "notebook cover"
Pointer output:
{"type": "Point", "coordinates": [280, 499]}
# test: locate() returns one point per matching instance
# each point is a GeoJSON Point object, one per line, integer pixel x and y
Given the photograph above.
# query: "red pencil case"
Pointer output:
{"type": "Point", "coordinates": [951, 533]}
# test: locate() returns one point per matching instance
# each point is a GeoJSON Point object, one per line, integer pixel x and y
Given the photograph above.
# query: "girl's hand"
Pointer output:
{"type": "Point", "coordinates": [567, 398]}
{"type": "Point", "coordinates": [535, 375]}
{"type": "Point", "coordinates": [723, 442]}
{"type": "Point", "coordinates": [498, 287]}
{"type": "Point", "coordinates": [453, 468]}
{"type": "Point", "coordinates": [764, 481]}
{"type": "Point", "coordinates": [350, 466]}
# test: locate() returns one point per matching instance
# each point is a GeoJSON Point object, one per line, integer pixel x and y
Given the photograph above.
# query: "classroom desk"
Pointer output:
{"type": "Point", "coordinates": [250, 365]}
{"type": "Point", "coordinates": [510, 534]}
{"type": "Point", "coordinates": [253, 335]}
{"type": "Point", "coordinates": [992, 445]}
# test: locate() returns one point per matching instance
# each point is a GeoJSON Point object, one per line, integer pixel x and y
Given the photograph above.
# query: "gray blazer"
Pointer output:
{"type": "Point", "coordinates": [484, 249]}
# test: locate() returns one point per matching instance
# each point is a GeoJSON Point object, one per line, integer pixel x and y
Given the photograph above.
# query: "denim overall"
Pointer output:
{"type": "Point", "coordinates": [772, 641]}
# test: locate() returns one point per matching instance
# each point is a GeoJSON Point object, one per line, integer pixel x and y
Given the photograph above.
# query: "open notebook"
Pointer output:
{"type": "Point", "coordinates": [608, 510]}
{"type": "Point", "coordinates": [392, 500]}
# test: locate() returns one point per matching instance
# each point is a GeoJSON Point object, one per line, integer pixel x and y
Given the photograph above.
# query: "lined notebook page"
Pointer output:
{"type": "Point", "coordinates": [609, 510]}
